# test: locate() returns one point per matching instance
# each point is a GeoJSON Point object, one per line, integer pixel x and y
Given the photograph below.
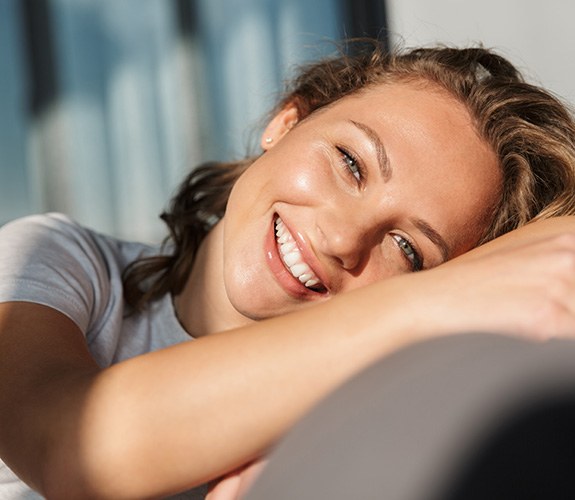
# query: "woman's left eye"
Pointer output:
{"type": "Point", "coordinates": [409, 252]}
{"type": "Point", "coordinates": [351, 164]}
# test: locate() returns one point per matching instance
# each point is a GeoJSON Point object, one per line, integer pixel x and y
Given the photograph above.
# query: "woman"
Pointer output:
{"type": "Point", "coordinates": [375, 166]}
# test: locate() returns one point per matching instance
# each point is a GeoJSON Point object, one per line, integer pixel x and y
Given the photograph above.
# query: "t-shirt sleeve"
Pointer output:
{"type": "Point", "coordinates": [50, 260]}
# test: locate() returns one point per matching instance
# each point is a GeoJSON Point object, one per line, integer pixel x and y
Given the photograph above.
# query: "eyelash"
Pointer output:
{"type": "Point", "coordinates": [350, 162]}
{"type": "Point", "coordinates": [415, 260]}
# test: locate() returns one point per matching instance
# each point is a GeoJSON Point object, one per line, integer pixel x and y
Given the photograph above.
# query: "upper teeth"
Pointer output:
{"type": "Point", "coordinates": [292, 257]}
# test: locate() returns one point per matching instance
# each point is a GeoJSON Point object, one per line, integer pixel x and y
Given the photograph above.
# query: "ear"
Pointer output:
{"type": "Point", "coordinates": [279, 126]}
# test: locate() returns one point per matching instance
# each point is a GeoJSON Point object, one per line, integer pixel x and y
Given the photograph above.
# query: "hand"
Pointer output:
{"type": "Point", "coordinates": [234, 486]}
{"type": "Point", "coordinates": [521, 284]}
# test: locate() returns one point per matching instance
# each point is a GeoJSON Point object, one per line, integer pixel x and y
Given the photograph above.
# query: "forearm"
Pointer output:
{"type": "Point", "coordinates": [210, 405]}
{"type": "Point", "coordinates": [175, 418]}
{"type": "Point", "coordinates": [196, 410]}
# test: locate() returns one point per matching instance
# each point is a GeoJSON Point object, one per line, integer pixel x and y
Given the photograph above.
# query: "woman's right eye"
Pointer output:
{"type": "Point", "coordinates": [351, 165]}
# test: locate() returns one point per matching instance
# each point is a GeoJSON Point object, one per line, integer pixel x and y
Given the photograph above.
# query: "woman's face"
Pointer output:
{"type": "Point", "coordinates": [389, 181]}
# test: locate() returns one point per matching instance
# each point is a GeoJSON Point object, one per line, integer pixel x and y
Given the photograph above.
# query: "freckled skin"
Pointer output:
{"type": "Point", "coordinates": [442, 172]}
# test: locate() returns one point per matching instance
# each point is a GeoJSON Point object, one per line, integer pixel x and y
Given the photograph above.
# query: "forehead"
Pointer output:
{"type": "Point", "coordinates": [407, 97]}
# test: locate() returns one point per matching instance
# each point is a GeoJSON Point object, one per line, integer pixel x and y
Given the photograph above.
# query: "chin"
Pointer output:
{"type": "Point", "coordinates": [259, 306]}
{"type": "Point", "coordinates": [256, 311]}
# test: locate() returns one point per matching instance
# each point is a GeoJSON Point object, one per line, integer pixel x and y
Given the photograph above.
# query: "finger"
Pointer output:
{"type": "Point", "coordinates": [225, 489]}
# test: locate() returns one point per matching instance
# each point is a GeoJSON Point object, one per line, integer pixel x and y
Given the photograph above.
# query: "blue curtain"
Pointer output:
{"type": "Point", "coordinates": [138, 104]}
{"type": "Point", "coordinates": [112, 146]}
{"type": "Point", "coordinates": [16, 188]}
{"type": "Point", "coordinates": [249, 48]}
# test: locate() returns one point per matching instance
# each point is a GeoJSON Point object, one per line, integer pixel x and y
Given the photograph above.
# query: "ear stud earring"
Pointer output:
{"type": "Point", "coordinates": [269, 140]}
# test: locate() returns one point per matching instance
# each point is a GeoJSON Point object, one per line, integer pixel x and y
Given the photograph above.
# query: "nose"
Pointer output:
{"type": "Point", "coordinates": [348, 240]}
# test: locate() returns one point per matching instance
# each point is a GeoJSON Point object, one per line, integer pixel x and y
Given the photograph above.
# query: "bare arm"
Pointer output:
{"type": "Point", "coordinates": [178, 417]}
{"type": "Point", "coordinates": [45, 373]}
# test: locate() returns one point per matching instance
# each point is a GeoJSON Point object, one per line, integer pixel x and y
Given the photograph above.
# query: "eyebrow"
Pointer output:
{"type": "Point", "coordinates": [434, 236]}
{"type": "Point", "coordinates": [381, 155]}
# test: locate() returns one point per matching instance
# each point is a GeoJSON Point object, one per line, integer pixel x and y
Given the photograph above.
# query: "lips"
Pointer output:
{"type": "Point", "coordinates": [293, 260]}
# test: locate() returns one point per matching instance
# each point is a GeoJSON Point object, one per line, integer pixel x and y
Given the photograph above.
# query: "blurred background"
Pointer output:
{"type": "Point", "coordinates": [106, 104]}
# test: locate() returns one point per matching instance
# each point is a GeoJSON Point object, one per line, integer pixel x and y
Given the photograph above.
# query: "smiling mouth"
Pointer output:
{"type": "Point", "coordinates": [293, 260]}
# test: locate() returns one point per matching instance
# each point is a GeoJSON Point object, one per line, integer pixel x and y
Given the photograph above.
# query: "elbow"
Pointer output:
{"type": "Point", "coordinates": [92, 460]}
{"type": "Point", "coordinates": [68, 476]}
{"type": "Point", "coordinates": [103, 460]}
{"type": "Point", "coordinates": [90, 476]}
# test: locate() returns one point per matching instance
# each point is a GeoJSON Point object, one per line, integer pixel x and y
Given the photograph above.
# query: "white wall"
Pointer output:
{"type": "Point", "coordinates": [538, 36]}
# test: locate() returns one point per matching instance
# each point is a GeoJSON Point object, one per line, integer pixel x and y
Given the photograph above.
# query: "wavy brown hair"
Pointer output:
{"type": "Point", "coordinates": [531, 131]}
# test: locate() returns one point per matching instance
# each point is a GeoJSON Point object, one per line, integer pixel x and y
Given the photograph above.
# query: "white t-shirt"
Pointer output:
{"type": "Point", "coordinates": [51, 260]}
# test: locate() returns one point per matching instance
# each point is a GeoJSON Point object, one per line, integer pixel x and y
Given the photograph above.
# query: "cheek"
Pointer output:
{"type": "Point", "coordinates": [484, 203]}
{"type": "Point", "coordinates": [301, 180]}
{"type": "Point", "coordinates": [471, 222]}
{"type": "Point", "coordinates": [304, 181]}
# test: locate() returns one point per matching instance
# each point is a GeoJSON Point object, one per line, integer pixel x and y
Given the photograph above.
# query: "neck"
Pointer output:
{"type": "Point", "coordinates": [202, 306]}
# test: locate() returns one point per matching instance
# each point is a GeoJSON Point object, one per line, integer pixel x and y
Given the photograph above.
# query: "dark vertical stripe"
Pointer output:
{"type": "Point", "coordinates": [186, 17]}
{"type": "Point", "coordinates": [38, 42]}
{"type": "Point", "coordinates": [366, 18]}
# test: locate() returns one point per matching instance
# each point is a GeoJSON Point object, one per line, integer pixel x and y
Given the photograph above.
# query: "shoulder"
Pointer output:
{"type": "Point", "coordinates": [47, 220]}
{"type": "Point", "coordinates": [55, 232]}
{"type": "Point", "coordinates": [53, 260]}
{"type": "Point", "coordinates": [44, 228]}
